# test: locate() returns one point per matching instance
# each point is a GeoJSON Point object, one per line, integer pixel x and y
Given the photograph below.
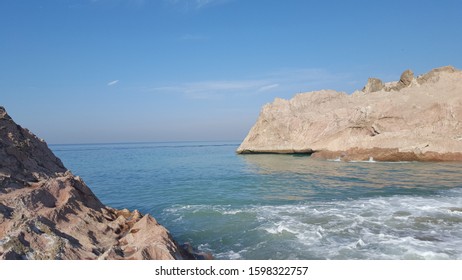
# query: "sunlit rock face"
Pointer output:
{"type": "Point", "coordinates": [415, 118]}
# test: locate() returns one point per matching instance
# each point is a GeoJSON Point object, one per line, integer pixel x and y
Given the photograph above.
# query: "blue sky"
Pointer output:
{"type": "Point", "coordinates": [86, 71]}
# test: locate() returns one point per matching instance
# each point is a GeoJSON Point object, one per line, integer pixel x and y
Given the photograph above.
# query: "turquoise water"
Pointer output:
{"type": "Point", "coordinates": [280, 206]}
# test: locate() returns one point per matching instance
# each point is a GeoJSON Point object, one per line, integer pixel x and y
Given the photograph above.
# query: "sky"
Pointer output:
{"type": "Point", "coordinates": [105, 71]}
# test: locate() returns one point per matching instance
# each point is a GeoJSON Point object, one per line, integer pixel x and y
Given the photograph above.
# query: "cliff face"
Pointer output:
{"type": "Point", "coordinates": [411, 119]}
{"type": "Point", "coordinates": [48, 213]}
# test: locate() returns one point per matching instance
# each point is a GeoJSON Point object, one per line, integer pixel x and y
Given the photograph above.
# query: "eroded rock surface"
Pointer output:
{"type": "Point", "coordinates": [411, 119]}
{"type": "Point", "coordinates": [48, 213]}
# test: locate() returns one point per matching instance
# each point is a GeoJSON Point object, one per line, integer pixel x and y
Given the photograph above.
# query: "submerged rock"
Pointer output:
{"type": "Point", "coordinates": [48, 213]}
{"type": "Point", "coordinates": [418, 119]}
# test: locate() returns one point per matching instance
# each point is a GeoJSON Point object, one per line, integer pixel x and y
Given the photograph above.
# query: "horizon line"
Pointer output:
{"type": "Point", "coordinates": [139, 142]}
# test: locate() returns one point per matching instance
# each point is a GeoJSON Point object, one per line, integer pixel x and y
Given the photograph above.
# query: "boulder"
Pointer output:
{"type": "Point", "coordinates": [373, 85]}
{"type": "Point", "coordinates": [405, 80]}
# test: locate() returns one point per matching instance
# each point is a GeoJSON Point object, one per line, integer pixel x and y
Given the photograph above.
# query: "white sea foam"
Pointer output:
{"type": "Point", "coordinates": [429, 227]}
{"type": "Point", "coordinates": [229, 255]}
{"type": "Point", "coordinates": [280, 228]}
{"type": "Point", "coordinates": [396, 227]}
{"type": "Point", "coordinates": [371, 159]}
{"type": "Point", "coordinates": [231, 212]}
{"type": "Point", "coordinates": [204, 247]}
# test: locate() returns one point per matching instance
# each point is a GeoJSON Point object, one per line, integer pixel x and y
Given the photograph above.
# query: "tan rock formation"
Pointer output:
{"type": "Point", "coordinates": [412, 119]}
{"type": "Point", "coordinates": [48, 213]}
{"type": "Point", "coordinates": [405, 80]}
{"type": "Point", "coordinates": [373, 85]}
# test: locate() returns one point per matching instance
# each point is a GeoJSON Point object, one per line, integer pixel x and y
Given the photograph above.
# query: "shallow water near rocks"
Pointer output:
{"type": "Point", "coordinates": [279, 206]}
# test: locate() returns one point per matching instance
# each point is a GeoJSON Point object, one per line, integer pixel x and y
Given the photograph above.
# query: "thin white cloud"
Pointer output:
{"type": "Point", "coordinates": [213, 87]}
{"type": "Point", "coordinates": [203, 3]}
{"type": "Point", "coordinates": [138, 3]}
{"type": "Point", "coordinates": [224, 85]}
{"type": "Point", "coordinates": [284, 82]}
{"type": "Point", "coordinates": [268, 87]}
{"type": "Point", "coordinates": [196, 4]}
{"type": "Point", "coordinates": [192, 37]}
{"type": "Point", "coordinates": [111, 83]}
{"type": "Point", "coordinates": [309, 79]}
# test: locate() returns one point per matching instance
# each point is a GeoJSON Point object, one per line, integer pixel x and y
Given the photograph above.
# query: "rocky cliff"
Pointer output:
{"type": "Point", "coordinates": [48, 213]}
{"type": "Point", "coordinates": [415, 118]}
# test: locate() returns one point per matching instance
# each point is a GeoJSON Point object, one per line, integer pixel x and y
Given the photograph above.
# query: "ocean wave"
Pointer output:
{"type": "Point", "coordinates": [396, 227]}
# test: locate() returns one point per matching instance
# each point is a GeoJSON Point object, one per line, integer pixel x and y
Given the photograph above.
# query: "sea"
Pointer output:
{"type": "Point", "coordinates": [269, 206]}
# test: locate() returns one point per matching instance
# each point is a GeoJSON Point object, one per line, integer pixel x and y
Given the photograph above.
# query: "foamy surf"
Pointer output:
{"type": "Point", "coordinates": [371, 159]}
{"type": "Point", "coordinates": [393, 227]}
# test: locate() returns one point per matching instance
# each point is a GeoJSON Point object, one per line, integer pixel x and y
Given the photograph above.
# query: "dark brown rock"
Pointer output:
{"type": "Point", "coordinates": [24, 157]}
